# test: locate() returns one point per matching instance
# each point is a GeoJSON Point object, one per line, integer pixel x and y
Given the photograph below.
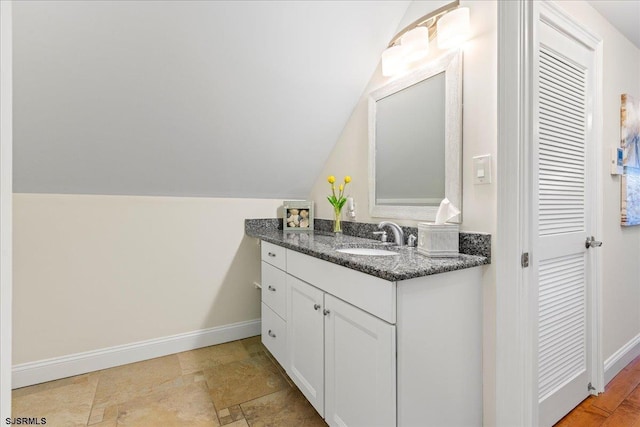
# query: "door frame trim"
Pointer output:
{"type": "Point", "coordinates": [513, 337]}
{"type": "Point", "coordinates": [516, 357]}
{"type": "Point", "coordinates": [6, 162]}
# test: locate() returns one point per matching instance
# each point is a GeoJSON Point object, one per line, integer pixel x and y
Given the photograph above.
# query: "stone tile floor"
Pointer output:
{"type": "Point", "coordinates": [233, 384]}
{"type": "Point", "coordinates": [618, 406]}
{"type": "Point", "coordinates": [237, 384]}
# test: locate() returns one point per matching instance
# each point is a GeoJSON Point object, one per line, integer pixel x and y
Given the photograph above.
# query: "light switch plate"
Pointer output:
{"type": "Point", "coordinates": [482, 169]}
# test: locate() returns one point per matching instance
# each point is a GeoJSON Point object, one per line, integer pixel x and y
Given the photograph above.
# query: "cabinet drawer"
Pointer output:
{"type": "Point", "coordinates": [369, 293]}
{"type": "Point", "coordinates": [274, 289]}
{"type": "Point", "coordinates": [274, 334]}
{"type": "Point", "coordinates": [274, 255]}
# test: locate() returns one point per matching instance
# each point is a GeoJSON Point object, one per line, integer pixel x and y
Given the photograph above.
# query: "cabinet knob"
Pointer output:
{"type": "Point", "coordinates": [316, 307]}
{"type": "Point", "coordinates": [271, 334]}
{"type": "Point", "coordinates": [326, 312]}
{"type": "Point", "coordinates": [271, 254]}
{"type": "Point", "coordinates": [271, 288]}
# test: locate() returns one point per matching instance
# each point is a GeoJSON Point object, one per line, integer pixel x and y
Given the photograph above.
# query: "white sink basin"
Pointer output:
{"type": "Point", "coordinates": [367, 251]}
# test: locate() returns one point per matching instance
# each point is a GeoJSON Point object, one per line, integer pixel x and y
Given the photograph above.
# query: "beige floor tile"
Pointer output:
{"type": "Point", "coordinates": [253, 345]}
{"type": "Point", "coordinates": [280, 367]}
{"type": "Point", "coordinates": [238, 382]}
{"type": "Point", "coordinates": [208, 357]}
{"type": "Point", "coordinates": [79, 379]}
{"type": "Point", "coordinates": [124, 383]}
{"type": "Point", "coordinates": [189, 405]}
{"type": "Point", "coordinates": [178, 390]}
{"type": "Point", "coordinates": [239, 423]}
{"type": "Point", "coordinates": [284, 408]}
{"type": "Point", "coordinates": [194, 377]}
{"type": "Point", "coordinates": [101, 414]}
{"type": "Point", "coordinates": [230, 415]}
{"type": "Point", "coordinates": [67, 405]}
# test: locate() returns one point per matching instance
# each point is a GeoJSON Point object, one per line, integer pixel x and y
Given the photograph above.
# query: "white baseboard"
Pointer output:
{"type": "Point", "coordinates": [75, 364]}
{"type": "Point", "coordinates": [621, 358]}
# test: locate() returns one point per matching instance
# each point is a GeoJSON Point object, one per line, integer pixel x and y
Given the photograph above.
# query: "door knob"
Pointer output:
{"type": "Point", "coordinates": [591, 242]}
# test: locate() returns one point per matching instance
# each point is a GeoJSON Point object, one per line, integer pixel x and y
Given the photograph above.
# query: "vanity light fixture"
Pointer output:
{"type": "Point", "coordinates": [412, 46]}
{"type": "Point", "coordinates": [415, 44]}
{"type": "Point", "coordinates": [450, 24]}
{"type": "Point", "coordinates": [393, 61]}
{"type": "Point", "coordinates": [453, 28]}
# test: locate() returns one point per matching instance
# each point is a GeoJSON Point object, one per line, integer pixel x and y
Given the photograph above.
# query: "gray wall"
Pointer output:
{"type": "Point", "coordinates": [222, 99]}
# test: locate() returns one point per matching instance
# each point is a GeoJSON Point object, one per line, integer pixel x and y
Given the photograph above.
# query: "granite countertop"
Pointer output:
{"type": "Point", "coordinates": [321, 244]}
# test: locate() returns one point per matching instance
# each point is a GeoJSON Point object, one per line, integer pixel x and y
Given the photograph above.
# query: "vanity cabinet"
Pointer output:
{"type": "Point", "coordinates": [340, 357]}
{"type": "Point", "coordinates": [369, 352]}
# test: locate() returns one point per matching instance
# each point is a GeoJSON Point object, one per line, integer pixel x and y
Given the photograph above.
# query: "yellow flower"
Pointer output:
{"type": "Point", "coordinates": [347, 179]}
{"type": "Point", "coordinates": [331, 179]}
{"type": "Point", "coordinates": [341, 188]}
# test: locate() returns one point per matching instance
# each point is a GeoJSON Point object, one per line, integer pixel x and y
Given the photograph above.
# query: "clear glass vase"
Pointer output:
{"type": "Point", "coordinates": [337, 223]}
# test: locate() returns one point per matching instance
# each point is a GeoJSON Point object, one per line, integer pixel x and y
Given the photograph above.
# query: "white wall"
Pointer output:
{"type": "Point", "coordinates": [92, 272]}
{"type": "Point", "coordinates": [350, 155]}
{"type": "Point", "coordinates": [6, 137]}
{"type": "Point", "coordinates": [171, 98]}
{"type": "Point", "coordinates": [621, 249]}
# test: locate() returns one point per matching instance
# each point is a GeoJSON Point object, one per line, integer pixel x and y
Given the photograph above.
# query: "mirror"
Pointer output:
{"type": "Point", "coordinates": [415, 142]}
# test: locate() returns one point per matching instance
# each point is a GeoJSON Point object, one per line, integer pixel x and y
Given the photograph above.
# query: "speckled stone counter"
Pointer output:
{"type": "Point", "coordinates": [407, 265]}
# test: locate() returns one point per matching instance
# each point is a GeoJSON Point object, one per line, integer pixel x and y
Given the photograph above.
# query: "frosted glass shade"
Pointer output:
{"type": "Point", "coordinates": [453, 28]}
{"type": "Point", "coordinates": [393, 61]}
{"type": "Point", "coordinates": [415, 44]}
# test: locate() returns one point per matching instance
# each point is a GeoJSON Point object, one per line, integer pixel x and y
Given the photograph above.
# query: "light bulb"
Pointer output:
{"type": "Point", "coordinates": [453, 28]}
{"type": "Point", "coordinates": [393, 61]}
{"type": "Point", "coordinates": [415, 43]}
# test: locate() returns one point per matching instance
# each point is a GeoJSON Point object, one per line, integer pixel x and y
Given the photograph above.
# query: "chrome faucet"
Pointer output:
{"type": "Point", "coordinates": [398, 234]}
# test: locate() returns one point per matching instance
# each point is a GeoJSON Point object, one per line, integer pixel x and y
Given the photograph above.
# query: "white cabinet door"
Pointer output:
{"type": "Point", "coordinates": [305, 340]}
{"type": "Point", "coordinates": [360, 357]}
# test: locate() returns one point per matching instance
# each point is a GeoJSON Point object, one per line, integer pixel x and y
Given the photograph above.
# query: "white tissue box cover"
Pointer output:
{"type": "Point", "coordinates": [438, 240]}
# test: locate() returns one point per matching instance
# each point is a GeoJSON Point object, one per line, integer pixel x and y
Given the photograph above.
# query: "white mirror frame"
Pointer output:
{"type": "Point", "coordinates": [451, 64]}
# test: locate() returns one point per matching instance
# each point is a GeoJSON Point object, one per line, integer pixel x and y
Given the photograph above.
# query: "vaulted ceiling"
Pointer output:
{"type": "Point", "coordinates": [188, 98]}
{"type": "Point", "coordinates": [622, 14]}
{"type": "Point", "coordinates": [196, 98]}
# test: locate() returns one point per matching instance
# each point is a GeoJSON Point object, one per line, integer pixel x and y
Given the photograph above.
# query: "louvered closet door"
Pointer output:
{"type": "Point", "coordinates": [561, 221]}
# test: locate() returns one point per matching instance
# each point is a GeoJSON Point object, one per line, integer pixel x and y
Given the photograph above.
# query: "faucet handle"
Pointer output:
{"type": "Point", "coordinates": [382, 234]}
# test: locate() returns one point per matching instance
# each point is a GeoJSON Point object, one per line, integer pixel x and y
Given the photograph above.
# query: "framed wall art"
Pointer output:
{"type": "Point", "coordinates": [297, 216]}
{"type": "Point", "coordinates": [630, 144]}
